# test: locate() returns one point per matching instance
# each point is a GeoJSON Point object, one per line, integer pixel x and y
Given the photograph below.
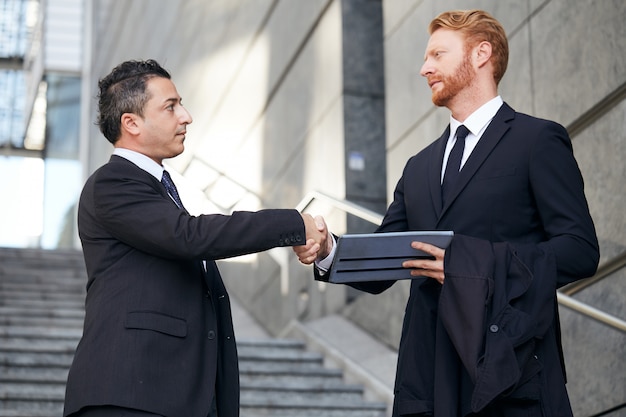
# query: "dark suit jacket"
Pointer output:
{"type": "Point", "coordinates": [522, 185]}
{"type": "Point", "coordinates": [158, 332]}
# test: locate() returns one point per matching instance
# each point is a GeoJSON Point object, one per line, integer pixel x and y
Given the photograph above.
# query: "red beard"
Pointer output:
{"type": "Point", "coordinates": [453, 84]}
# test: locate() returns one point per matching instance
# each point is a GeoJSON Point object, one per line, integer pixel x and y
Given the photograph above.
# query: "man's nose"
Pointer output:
{"type": "Point", "coordinates": [426, 69]}
{"type": "Point", "coordinates": [186, 116]}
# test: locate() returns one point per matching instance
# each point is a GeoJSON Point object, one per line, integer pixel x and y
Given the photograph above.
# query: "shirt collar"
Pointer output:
{"type": "Point", "coordinates": [142, 161]}
{"type": "Point", "coordinates": [478, 121]}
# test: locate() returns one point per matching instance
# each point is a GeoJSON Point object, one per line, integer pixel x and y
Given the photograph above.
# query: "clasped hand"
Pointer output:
{"type": "Point", "coordinates": [318, 244]}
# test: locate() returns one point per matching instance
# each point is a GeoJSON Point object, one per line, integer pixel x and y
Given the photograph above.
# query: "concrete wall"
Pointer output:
{"type": "Point", "coordinates": [567, 63]}
{"type": "Point", "coordinates": [294, 96]}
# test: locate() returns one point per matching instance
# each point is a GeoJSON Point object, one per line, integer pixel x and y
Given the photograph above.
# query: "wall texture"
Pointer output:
{"type": "Point", "coordinates": [568, 64]}
{"type": "Point", "coordinates": [291, 96]}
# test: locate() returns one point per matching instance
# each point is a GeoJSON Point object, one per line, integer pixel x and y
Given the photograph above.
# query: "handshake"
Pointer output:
{"type": "Point", "coordinates": [318, 244]}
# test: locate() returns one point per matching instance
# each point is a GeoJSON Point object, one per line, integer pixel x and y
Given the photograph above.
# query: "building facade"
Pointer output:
{"type": "Point", "coordinates": [291, 97]}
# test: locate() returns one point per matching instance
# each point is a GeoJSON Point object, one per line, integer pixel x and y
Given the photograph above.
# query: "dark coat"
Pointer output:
{"type": "Point", "coordinates": [497, 323]}
{"type": "Point", "coordinates": [520, 185]}
{"type": "Point", "coordinates": [158, 333]}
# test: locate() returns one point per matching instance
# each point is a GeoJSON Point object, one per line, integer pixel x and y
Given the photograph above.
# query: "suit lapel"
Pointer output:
{"type": "Point", "coordinates": [434, 173]}
{"type": "Point", "coordinates": [488, 141]}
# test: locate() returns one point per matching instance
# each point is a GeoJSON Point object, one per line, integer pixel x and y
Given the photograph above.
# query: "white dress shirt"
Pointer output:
{"type": "Point", "coordinates": [476, 123]}
{"type": "Point", "coordinates": [142, 161]}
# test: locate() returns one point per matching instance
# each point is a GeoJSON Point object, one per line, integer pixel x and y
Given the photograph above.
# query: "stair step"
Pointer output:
{"type": "Point", "coordinates": [38, 375]}
{"type": "Point", "coordinates": [305, 391]}
{"type": "Point", "coordinates": [42, 297]}
{"type": "Point", "coordinates": [272, 355]}
{"type": "Point", "coordinates": [41, 321]}
{"type": "Point", "coordinates": [252, 368]}
{"type": "Point", "coordinates": [271, 343]}
{"type": "Point", "coordinates": [42, 333]}
{"type": "Point", "coordinates": [27, 408]}
{"type": "Point", "coordinates": [37, 346]}
{"type": "Point", "coordinates": [25, 295]}
{"type": "Point", "coordinates": [303, 412]}
{"type": "Point", "coordinates": [43, 304]}
{"type": "Point", "coordinates": [319, 408]}
{"type": "Point", "coordinates": [32, 392]}
{"type": "Point", "coordinates": [46, 258]}
{"type": "Point", "coordinates": [293, 378]}
{"type": "Point", "coordinates": [62, 276]}
{"type": "Point", "coordinates": [17, 311]}
{"type": "Point", "coordinates": [325, 385]}
{"type": "Point", "coordinates": [30, 359]}
{"type": "Point", "coordinates": [60, 283]}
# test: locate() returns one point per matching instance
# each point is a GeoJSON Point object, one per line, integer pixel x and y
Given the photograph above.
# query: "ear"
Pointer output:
{"type": "Point", "coordinates": [482, 53]}
{"type": "Point", "coordinates": [130, 123]}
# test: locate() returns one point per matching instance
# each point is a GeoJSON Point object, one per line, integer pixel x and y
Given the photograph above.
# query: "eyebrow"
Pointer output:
{"type": "Point", "coordinates": [433, 50]}
{"type": "Point", "coordinates": [174, 100]}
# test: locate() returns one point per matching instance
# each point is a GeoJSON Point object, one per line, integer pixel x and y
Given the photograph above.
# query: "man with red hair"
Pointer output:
{"type": "Point", "coordinates": [481, 330]}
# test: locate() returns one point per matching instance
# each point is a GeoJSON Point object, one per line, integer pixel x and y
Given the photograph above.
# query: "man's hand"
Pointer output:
{"type": "Point", "coordinates": [427, 267]}
{"type": "Point", "coordinates": [318, 245]}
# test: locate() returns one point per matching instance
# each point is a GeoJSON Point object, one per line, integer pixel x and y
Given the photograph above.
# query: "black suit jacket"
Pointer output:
{"type": "Point", "coordinates": [158, 332]}
{"type": "Point", "coordinates": [521, 185]}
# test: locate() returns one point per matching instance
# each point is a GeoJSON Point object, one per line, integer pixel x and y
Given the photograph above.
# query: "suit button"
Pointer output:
{"type": "Point", "coordinates": [494, 328]}
{"type": "Point", "coordinates": [211, 335]}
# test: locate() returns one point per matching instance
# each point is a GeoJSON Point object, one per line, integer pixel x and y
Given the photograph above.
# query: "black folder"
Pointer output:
{"type": "Point", "coordinates": [379, 256]}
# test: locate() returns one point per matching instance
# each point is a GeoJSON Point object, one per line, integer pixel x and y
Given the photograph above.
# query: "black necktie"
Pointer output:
{"type": "Point", "coordinates": [166, 180]}
{"type": "Point", "coordinates": [454, 163]}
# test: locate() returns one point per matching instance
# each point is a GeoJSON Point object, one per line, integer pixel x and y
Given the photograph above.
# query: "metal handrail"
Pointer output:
{"type": "Point", "coordinates": [347, 206]}
{"type": "Point", "coordinates": [591, 312]}
{"type": "Point", "coordinates": [562, 296]}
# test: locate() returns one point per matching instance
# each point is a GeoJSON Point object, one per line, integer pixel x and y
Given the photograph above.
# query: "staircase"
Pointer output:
{"type": "Point", "coordinates": [41, 315]}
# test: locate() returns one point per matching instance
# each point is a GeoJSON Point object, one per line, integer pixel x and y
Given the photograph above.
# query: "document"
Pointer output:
{"type": "Point", "coordinates": [379, 256]}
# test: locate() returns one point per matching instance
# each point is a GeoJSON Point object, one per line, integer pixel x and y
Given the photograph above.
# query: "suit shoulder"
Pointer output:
{"type": "Point", "coordinates": [120, 168]}
{"type": "Point", "coordinates": [119, 177]}
{"type": "Point", "coordinates": [540, 133]}
{"type": "Point", "coordinates": [524, 119]}
{"type": "Point", "coordinates": [528, 121]}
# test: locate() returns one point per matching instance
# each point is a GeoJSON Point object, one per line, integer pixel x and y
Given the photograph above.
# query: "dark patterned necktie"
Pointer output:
{"type": "Point", "coordinates": [166, 180]}
{"type": "Point", "coordinates": [454, 163]}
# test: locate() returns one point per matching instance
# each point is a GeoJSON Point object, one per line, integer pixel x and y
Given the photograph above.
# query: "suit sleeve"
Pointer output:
{"type": "Point", "coordinates": [135, 211]}
{"type": "Point", "coordinates": [395, 220]}
{"type": "Point", "coordinates": [558, 190]}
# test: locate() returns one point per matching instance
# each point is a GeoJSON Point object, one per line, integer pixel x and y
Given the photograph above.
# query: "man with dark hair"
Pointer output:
{"type": "Point", "coordinates": [481, 331]}
{"type": "Point", "coordinates": [158, 338]}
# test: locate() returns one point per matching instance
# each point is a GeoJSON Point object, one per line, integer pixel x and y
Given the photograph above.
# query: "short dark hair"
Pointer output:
{"type": "Point", "coordinates": [124, 91]}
